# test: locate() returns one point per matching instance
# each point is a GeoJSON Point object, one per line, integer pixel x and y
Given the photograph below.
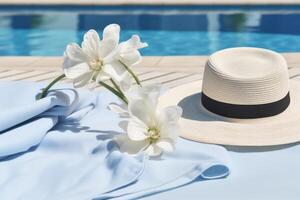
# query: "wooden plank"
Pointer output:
{"type": "Point", "coordinates": [168, 70]}
{"type": "Point", "coordinates": [49, 76]}
{"type": "Point", "coordinates": [153, 63]}
{"type": "Point", "coordinates": [26, 76]}
{"type": "Point", "coordinates": [16, 62]}
{"type": "Point", "coordinates": [164, 78]}
{"type": "Point", "coordinates": [10, 74]}
{"type": "Point", "coordinates": [182, 80]}
{"type": "Point", "coordinates": [293, 72]}
{"type": "Point", "coordinates": [153, 75]}
{"type": "Point", "coordinates": [3, 70]}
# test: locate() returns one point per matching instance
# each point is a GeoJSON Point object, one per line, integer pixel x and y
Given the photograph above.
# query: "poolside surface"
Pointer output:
{"type": "Point", "coordinates": [170, 71]}
{"type": "Point", "coordinates": [152, 2]}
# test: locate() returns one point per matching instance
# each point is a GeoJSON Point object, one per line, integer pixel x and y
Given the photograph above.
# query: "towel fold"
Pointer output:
{"type": "Point", "coordinates": [24, 121]}
{"type": "Point", "coordinates": [75, 156]}
{"type": "Point", "coordinates": [190, 162]}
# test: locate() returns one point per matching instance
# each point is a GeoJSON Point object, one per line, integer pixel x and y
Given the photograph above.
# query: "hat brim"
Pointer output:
{"type": "Point", "coordinates": [200, 125]}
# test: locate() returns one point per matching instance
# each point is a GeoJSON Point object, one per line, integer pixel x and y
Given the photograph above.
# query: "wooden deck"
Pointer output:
{"type": "Point", "coordinates": [170, 71]}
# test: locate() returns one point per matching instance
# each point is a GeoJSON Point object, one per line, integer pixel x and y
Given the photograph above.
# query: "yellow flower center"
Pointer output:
{"type": "Point", "coordinates": [154, 134]}
{"type": "Point", "coordinates": [96, 65]}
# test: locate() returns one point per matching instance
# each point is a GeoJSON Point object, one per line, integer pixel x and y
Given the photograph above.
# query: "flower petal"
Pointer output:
{"type": "Point", "coordinates": [149, 93]}
{"type": "Point", "coordinates": [76, 71]}
{"type": "Point", "coordinates": [142, 110]}
{"type": "Point", "coordinates": [152, 94]}
{"type": "Point", "coordinates": [170, 130]}
{"type": "Point", "coordinates": [170, 114]}
{"type": "Point", "coordinates": [130, 146]}
{"type": "Point", "coordinates": [91, 44]}
{"type": "Point", "coordinates": [115, 70]}
{"type": "Point", "coordinates": [153, 150]}
{"type": "Point", "coordinates": [119, 109]}
{"type": "Point", "coordinates": [102, 76]}
{"type": "Point", "coordinates": [137, 130]}
{"type": "Point", "coordinates": [82, 80]}
{"type": "Point", "coordinates": [166, 144]}
{"type": "Point", "coordinates": [168, 122]}
{"type": "Point", "coordinates": [126, 82]}
{"type": "Point", "coordinates": [128, 50]}
{"type": "Point", "coordinates": [133, 43]}
{"type": "Point", "coordinates": [130, 58]}
{"type": "Point", "coordinates": [110, 41]}
{"type": "Point", "coordinates": [112, 31]}
{"type": "Point", "coordinates": [73, 55]}
{"type": "Point", "coordinates": [119, 74]}
{"type": "Point", "coordinates": [123, 125]}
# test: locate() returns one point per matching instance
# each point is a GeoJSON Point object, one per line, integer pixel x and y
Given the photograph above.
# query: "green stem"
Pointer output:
{"type": "Point", "coordinates": [114, 91]}
{"type": "Point", "coordinates": [132, 73]}
{"type": "Point", "coordinates": [117, 87]}
{"type": "Point", "coordinates": [46, 89]}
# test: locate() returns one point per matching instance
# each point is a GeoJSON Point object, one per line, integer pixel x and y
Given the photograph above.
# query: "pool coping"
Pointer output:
{"type": "Point", "coordinates": [152, 2]}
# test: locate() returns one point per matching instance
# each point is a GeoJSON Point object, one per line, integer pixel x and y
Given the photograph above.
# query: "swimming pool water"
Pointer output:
{"type": "Point", "coordinates": [45, 31]}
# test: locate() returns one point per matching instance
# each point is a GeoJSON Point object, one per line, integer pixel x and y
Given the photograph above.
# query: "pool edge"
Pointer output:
{"type": "Point", "coordinates": [153, 2]}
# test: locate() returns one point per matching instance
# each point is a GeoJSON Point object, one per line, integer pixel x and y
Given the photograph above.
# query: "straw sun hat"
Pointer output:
{"type": "Point", "coordinates": [244, 99]}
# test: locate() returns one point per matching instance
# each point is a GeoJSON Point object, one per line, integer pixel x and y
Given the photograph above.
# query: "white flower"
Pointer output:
{"type": "Point", "coordinates": [149, 128]}
{"type": "Point", "coordinates": [99, 60]}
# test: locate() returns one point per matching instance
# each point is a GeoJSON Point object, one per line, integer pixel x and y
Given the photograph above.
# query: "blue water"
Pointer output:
{"type": "Point", "coordinates": [45, 31]}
